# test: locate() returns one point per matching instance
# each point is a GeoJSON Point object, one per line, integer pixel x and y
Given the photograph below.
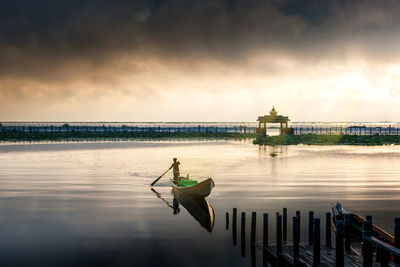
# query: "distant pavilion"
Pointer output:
{"type": "Point", "coordinates": [273, 117]}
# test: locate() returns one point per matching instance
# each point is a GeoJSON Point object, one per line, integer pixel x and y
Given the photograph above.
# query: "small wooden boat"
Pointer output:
{"type": "Point", "coordinates": [338, 213]}
{"type": "Point", "coordinates": [199, 189]}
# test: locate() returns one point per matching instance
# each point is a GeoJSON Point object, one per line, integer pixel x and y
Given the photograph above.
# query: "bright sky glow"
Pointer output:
{"type": "Point", "coordinates": [336, 61]}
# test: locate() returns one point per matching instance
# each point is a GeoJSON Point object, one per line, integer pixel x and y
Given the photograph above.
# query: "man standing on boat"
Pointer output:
{"type": "Point", "coordinates": [175, 170]}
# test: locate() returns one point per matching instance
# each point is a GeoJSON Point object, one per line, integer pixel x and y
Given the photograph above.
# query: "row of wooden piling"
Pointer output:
{"type": "Point", "coordinates": [129, 129]}
{"type": "Point", "coordinates": [227, 128]}
{"type": "Point", "coordinates": [342, 238]}
{"type": "Point", "coordinates": [362, 130]}
{"type": "Point", "coordinates": [281, 232]}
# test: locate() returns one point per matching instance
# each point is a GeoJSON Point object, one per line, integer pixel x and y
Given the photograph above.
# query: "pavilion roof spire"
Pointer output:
{"type": "Point", "coordinates": [273, 111]}
{"type": "Point", "coordinates": [273, 117]}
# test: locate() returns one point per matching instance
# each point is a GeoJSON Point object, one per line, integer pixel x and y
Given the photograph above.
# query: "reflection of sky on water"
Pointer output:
{"type": "Point", "coordinates": [69, 204]}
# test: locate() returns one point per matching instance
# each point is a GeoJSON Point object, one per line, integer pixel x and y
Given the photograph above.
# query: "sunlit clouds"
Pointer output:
{"type": "Point", "coordinates": [199, 60]}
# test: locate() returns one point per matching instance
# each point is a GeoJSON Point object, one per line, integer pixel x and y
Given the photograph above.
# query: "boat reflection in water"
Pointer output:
{"type": "Point", "coordinates": [196, 205]}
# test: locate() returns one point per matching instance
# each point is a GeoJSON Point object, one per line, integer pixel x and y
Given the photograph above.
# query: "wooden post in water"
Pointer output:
{"type": "Point", "coordinates": [369, 218]}
{"type": "Point", "coordinates": [378, 251]}
{"type": "Point", "coordinates": [328, 230]}
{"type": "Point", "coordinates": [296, 238]}
{"type": "Point", "coordinates": [385, 257]}
{"type": "Point", "coordinates": [284, 225]}
{"type": "Point", "coordinates": [397, 236]}
{"type": "Point", "coordinates": [265, 230]}
{"type": "Point", "coordinates": [227, 221]}
{"type": "Point", "coordinates": [317, 242]}
{"type": "Point", "coordinates": [253, 255]}
{"type": "Point", "coordinates": [378, 254]}
{"type": "Point", "coordinates": [243, 235]}
{"type": "Point", "coordinates": [253, 228]}
{"type": "Point", "coordinates": [382, 256]}
{"type": "Point", "coordinates": [265, 239]}
{"type": "Point", "coordinates": [279, 247]}
{"type": "Point", "coordinates": [234, 221]}
{"type": "Point", "coordinates": [347, 230]}
{"type": "Point", "coordinates": [339, 244]}
{"type": "Point", "coordinates": [367, 249]}
{"type": "Point", "coordinates": [310, 227]}
{"type": "Point", "coordinates": [298, 216]}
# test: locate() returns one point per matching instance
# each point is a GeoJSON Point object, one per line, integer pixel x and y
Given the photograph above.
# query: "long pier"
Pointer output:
{"type": "Point", "coordinates": [91, 131]}
{"type": "Point", "coordinates": [367, 251]}
{"type": "Point", "coordinates": [199, 127]}
{"type": "Point", "coordinates": [90, 127]}
{"type": "Point", "coordinates": [21, 132]}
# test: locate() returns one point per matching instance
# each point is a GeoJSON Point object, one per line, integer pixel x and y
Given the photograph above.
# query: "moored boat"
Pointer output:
{"type": "Point", "coordinates": [202, 188]}
{"type": "Point", "coordinates": [356, 221]}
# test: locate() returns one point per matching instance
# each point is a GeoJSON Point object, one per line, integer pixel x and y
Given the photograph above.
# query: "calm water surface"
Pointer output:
{"type": "Point", "coordinates": [91, 204]}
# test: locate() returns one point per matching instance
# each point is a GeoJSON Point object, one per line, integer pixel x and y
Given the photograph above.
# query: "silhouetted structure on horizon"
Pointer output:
{"type": "Point", "coordinates": [273, 117]}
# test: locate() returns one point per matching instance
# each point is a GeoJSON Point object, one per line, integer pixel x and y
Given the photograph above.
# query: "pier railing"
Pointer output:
{"type": "Point", "coordinates": [384, 251]}
{"type": "Point", "coordinates": [91, 127]}
{"type": "Point", "coordinates": [200, 127]}
{"type": "Point", "coordinates": [349, 130]}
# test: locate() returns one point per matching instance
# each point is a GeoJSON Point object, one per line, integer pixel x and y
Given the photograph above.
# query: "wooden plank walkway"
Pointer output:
{"type": "Point", "coordinates": [352, 259]}
{"type": "Point", "coordinates": [373, 253]}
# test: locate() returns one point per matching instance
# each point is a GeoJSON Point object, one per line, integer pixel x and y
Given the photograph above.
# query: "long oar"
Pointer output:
{"type": "Point", "coordinates": [159, 177]}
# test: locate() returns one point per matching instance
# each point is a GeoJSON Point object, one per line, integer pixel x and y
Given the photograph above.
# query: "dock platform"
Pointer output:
{"type": "Point", "coordinates": [349, 250]}
{"type": "Point", "coordinates": [327, 257]}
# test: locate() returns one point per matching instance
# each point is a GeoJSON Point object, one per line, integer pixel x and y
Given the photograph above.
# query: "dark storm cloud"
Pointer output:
{"type": "Point", "coordinates": [39, 38]}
